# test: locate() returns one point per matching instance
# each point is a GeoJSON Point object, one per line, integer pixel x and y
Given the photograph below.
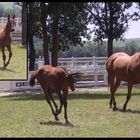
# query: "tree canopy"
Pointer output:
{"type": "Point", "coordinates": [110, 20]}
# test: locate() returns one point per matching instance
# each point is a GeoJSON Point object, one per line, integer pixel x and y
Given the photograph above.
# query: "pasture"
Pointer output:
{"type": "Point", "coordinates": [28, 115]}
{"type": "Point", "coordinates": [17, 69]}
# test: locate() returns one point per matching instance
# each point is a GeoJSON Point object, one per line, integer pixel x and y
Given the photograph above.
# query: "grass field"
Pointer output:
{"type": "Point", "coordinates": [28, 115]}
{"type": "Point", "coordinates": [17, 69]}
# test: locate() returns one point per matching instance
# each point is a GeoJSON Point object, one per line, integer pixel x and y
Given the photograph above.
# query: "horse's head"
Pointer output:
{"type": "Point", "coordinates": [10, 24]}
{"type": "Point", "coordinates": [70, 81]}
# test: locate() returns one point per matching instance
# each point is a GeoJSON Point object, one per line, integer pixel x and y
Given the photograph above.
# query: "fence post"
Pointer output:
{"type": "Point", "coordinates": [94, 63]}
{"type": "Point", "coordinates": [17, 22]}
{"type": "Point", "coordinates": [40, 63]}
{"type": "Point", "coordinates": [72, 62]}
{"type": "Point", "coordinates": [95, 76]}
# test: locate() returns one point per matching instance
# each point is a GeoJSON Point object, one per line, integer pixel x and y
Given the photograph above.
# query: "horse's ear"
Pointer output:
{"type": "Point", "coordinates": [13, 16]}
{"type": "Point", "coordinates": [8, 17]}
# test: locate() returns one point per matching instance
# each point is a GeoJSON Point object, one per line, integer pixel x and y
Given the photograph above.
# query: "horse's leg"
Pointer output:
{"type": "Point", "coordinates": [58, 111]}
{"type": "Point", "coordinates": [128, 95]}
{"type": "Point", "coordinates": [49, 102]}
{"type": "Point", "coordinates": [61, 102]}
{"type": "Point", "coordinates": [50, 92]}
{"type": "Point", "coordinates": [65, 94]}
{"type": "Point", "coordinates": [111, 78]}
{"type": "Point", "coordinates": [3, 56]}
{"type": "Point", "coordinates": [10, 54]}
{"type": "Point", "coordinates": [113, 91]}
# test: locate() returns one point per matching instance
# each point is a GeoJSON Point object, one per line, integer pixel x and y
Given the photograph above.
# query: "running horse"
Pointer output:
{"type": "Point", "coordinates": [122, 67]}
{"type": "Point", "coordinates": [5, 39]}
{"type": "Point", "coordinates": [54, 79]}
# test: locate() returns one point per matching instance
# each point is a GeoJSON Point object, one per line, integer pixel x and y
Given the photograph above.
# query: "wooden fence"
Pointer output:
{"type": "Point", "coordinates": [18, 26]}
{"type": "Point", "coordinates": [91, 73]}
{"type": "Point", "coordinates": [91, 70]}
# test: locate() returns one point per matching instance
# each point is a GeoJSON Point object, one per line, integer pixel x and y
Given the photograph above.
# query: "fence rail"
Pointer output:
{"type": "Point", "coordinates": [91, 72]}
{"type": "Point", "coordinates": [18, 26]}
{"type": "Point", "coordinates": [80, 63]}
{"type": "Point", "coordinates": [90, 68]}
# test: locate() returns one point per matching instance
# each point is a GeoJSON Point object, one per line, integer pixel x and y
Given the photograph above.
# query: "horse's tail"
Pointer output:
{"type": "Point", "coordinates": [111, 79]}
{"type": "Point", "coordinates": [109, 68]}
{"type": "Point", "coordinates": [32, 79]}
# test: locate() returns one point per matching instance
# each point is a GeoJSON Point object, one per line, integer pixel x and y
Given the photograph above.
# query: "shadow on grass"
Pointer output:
{"type": "Point", "coordinates": [72, 96]}
{"type": "Point", "coordinates": [6, 69]}
{"type": "Point", "coordinates": [56, 123]}
{"type": "Point", "coordinates": [128, 110]}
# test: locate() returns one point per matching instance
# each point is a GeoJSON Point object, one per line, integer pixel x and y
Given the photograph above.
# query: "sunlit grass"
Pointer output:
{"type": "Point", "coordinates": [29, 115]}
{"type": "Point", "coordinates": [17, 69]}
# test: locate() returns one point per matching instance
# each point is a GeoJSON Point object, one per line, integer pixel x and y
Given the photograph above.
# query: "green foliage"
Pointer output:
{"type": "Point", "coordinates": [110, 19]}
{"type": "Point", "coordinates": [72, 22]}
{"type": "Point", "coordinates": [90, 49]}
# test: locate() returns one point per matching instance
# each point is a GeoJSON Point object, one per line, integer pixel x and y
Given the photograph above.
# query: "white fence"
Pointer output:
{"type": "Point", "coordinates": [18, 26]}
{"type": "Point", "coordinates": [17, 34]}
{"type": "Point", "coordinates": [93, 67]}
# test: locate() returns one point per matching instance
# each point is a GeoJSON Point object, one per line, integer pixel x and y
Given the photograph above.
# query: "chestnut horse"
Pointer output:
{"type": "Point", "coordinates": [5, 39]}
{"type": "Point", "coordinates": [122, 67]}
{"type": "Point", "coordinates": [54, 79]}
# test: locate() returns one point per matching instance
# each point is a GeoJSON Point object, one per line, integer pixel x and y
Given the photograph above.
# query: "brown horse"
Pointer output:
{"type": "Point", "coordinates": [54, 79]}
{"type": "Point", "coordinates": [5, 39]}
{"type": "Point", "coordinates": [122, 67]}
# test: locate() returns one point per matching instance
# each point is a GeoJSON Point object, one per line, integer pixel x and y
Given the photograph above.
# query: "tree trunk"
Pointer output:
{"type": "Point", "coordinates": [54, 56]}
{"type": "Point", "coordinates": [44, 31]}
{"type": "Point", "coordinates": [110, 33]}
{"type": "Point", "coordinates": [24, 24]}
{"type": "Point", "coordinates": [110, 46]}
{"type": "Point", "coordinates": [30, 39]}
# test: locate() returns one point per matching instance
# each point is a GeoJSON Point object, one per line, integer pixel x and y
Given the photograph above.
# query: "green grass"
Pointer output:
{"type": "Point", "coordinates": [29, 115]}
{"type": "Point", "coordinates": [17, 69]}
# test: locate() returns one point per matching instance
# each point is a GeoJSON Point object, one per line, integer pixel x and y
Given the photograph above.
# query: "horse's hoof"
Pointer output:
{"type": "Point", "coordinates": [56, 118]}
{"type": "Point", "coordinates": [69, 124]}
{"type": "Point", "coordinates": [124, 109]}
{"type": "Point", "coordinates": [115, 108]}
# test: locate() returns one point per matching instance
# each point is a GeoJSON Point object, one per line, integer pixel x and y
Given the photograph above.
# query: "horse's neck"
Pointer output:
{"type": "Point", "coordinates": [6, 32]}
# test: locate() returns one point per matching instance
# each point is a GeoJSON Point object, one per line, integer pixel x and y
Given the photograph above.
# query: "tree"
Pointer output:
{"type": "Point", "coordinates": [67, 24]}
{"type": "Point", "coordinates": [24, 22]}
{"type": "Point", "coordinates": [44, 32]}
{"type": "Point", "coordinates": [55, 18]}
{"type": "Point", "coordinates": [30, 38]}
{"type": "Point", "coordinates": [60, 25]}
{"type": "Point", "coordinates": [110, 20]}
